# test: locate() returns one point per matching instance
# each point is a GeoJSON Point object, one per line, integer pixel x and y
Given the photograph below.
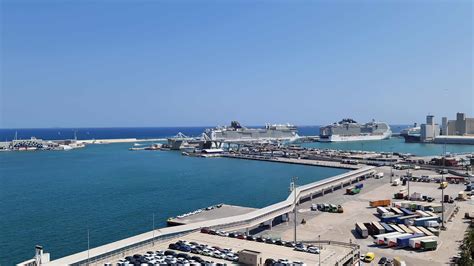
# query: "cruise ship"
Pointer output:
{"type": "Point", "coordinates": [236, 132]}
{"type": "Point", "coordinates": [349, 130]}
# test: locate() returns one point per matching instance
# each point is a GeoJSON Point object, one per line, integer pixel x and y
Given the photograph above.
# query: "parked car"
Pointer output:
{"type": "Point", "coordinates": [270, 262]}
{"type": "Point", "coordinates": [314, 250]}
{"type": "Point", "coordinates": [370, 256]}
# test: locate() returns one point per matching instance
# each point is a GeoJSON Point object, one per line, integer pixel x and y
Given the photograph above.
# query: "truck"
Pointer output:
{"type": "Point", "coordinates": [380, 239]}
{"type": "Point", "coordinates": [415, 243]}
{"type": "Point", "coordinates": [379, 175]}
{"type": "Point", "coordinates": [349, 190]}
{"type": "Point", "coordinates": [405, 219]}
{"type": "Point", "coordinates": [380, 203]}
{"type": "Point", "coordinates": [379, 229]}
{"type": "Point", "coordinates": [361, 230]}
{"type": "Point", "coordinates": [429, 244]}
{"type": "Point", "coordinates": [396, 182]}
{"type": "Point", "coordinates": [391, 241]}
{"type": "Point", "coordinates": [432, 224]}
{"type": "Point", "coordinates": [382, 210]}
{"type": "Point", "coordinates": [354, 191]}
{"type": "Point", "coordinates": [422, 221]}
{"type": "Point", "coordinates": [390, 218]}
{"type": "Point", "coordinates": [403, 242]}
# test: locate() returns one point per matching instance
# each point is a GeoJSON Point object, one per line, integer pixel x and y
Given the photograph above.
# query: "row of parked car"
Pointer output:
{"type": "Point", "coordinates": [296, 246]}
{"type": "Point", "coordinates": [160, 257]}
{"type": "Point", "coordinates": [205, 250]}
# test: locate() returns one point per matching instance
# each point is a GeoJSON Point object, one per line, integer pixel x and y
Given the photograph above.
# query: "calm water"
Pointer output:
{"type": "Point", "coordinates": [394, 144]}
{"type": "Point", "coordinates": [116, 133]}
{"type": "Point", "coordinates": [51, 198]}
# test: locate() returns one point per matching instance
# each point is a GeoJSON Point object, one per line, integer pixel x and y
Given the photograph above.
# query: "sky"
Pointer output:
{"type": "Point", "coordinates": [203, 63]}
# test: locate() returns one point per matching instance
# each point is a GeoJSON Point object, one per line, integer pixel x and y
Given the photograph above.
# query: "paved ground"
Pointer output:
{"type": "Point", "coordinates": [340, 227]}
{"type": "Point", "coordinates": [216, 213]}
{"type": "Point", "coordinates": [329, 254]}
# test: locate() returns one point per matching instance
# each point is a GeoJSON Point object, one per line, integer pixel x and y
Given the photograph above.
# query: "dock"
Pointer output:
{"type": "Point", "coordinates": [332, 164]}
{"type": "Point", "coordinates": [216, 213]}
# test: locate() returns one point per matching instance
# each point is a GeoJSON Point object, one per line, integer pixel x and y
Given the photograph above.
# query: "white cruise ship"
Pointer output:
{"type": "Point", "coordinates": [349, 130]}
{"type": "Point", "coordinates": [238, 133]}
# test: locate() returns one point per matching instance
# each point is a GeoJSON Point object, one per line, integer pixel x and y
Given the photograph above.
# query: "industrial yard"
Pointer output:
{"type": "Point", "coordinates": [340, 226]}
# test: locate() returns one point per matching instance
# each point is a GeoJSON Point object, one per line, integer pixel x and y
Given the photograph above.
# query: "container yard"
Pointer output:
{"type": "Point", "coordinates": [389, 227]}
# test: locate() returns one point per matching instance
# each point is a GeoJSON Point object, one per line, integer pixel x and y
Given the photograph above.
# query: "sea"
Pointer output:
{"type": "Point", "coordinates": [53, 198]}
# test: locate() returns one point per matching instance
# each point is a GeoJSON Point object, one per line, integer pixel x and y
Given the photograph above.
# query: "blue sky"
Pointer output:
{"type": "Point", "coordinates": [167, 63]}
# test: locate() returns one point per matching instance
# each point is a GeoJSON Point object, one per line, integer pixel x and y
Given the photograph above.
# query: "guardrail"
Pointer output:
{"type": "Point", "coordinates": [239, 221]}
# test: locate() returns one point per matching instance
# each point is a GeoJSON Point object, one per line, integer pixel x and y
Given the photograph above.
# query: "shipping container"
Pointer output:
{"type": "Point", "coordinates": [370, 228]}
{"type": "Point", "coordinates": [391, 241]}
{"type": "Point", "coordinates": [429, 244]}
{"type": "Point", "coordinates": [422, 213]}
{"type": "Point", "coordinates": [388, 228]}
{"type": "Point", "coordinates": [415, 243]}
{"type": "Point", "coordinates": [382, 210]}
{"type": "Point", "coordinates": [415, 230]}
{"type": "Point", "coordinates": [380, 203]}
{"type": "Point", "coordinates": [421, 221]}
{"type": "Point", "coordinates": [396, 210]}
{"type": "Point", "coordinates": [396, 228]}
{"type": "Point", "coordinates": [425, 231]}
{"type": "Point", "coordinates": [403, 242]}
{"type": "Point", "coordinates": [390, 219]}
{"type": "Point", "coordinates": [378, 228]}
{"type": "Point", "coordinates": [406, 211]}
{"type": "Point", "coordinates": [405, 228]}
{"type": "Point", "coordinates": [380, 239]}
{"type": "Point", "coordinates": [434, 231]}
{"type": "Point", "coordinates": [361, 230]}
{"type": "Point", "coordinates": [406, 219]}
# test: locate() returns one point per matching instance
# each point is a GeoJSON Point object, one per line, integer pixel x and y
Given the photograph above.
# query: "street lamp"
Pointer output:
{"type": "Point", "coordinates": [391, 164]}
{"type": "Point", "coordinates": [293, 189]}
{"type": "Point", "coordinates": [442, 187]}
{"type": "Point", "coordinates": [319, 240]}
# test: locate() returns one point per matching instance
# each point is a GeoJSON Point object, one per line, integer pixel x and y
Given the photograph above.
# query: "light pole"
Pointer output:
{"type": "Point", "coordinates": [293, 189]}
{"type": "Point", "coordinates": [442, 187]}
{"type": "Point", "coordinates": [319, 254]}
{"type": "Point", "coordinates": [408, 182]}
{"type": "Point", "coordinates": [391, 164]}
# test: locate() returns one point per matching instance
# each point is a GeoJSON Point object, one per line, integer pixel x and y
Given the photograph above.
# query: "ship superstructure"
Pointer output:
{"type": "Point", "coordinates": [349, 130]}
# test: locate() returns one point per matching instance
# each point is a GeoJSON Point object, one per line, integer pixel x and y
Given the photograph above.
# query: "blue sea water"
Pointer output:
{"type": "Point", "coordinates": [51, 198]}
{"type": "Point", "coordinates": [115, 133]}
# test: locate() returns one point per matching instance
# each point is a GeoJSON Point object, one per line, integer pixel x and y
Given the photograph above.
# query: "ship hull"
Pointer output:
{"type": "Point", "coordinates": [339, 138]}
